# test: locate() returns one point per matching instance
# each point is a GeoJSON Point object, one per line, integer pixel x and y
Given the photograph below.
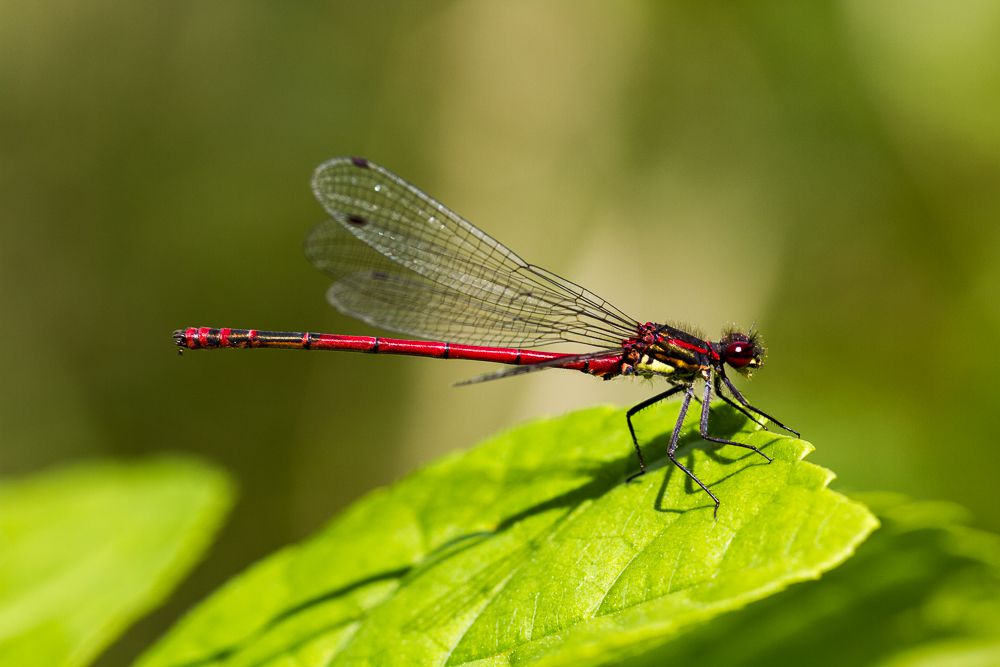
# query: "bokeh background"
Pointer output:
{"type": "Point", "coordinates": [827, 170]}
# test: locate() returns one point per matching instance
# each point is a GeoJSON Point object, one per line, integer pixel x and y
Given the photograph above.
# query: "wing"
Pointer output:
{"type": "Point", "coordinates": [402, 261]}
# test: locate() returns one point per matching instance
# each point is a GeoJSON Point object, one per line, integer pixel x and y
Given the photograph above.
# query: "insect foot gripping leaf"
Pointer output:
{"type": "Point", "coordinates": [533, 547]}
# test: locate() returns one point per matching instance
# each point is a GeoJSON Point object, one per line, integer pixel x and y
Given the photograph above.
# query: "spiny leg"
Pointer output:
{"type": "Point", "coordinates": [746, 403]}
{"type": "Point", "coordinates": [688, 395]}
{"type": "Point", "coordinates": [638, 408]}
{"type": "Point", "coordinates": [731, 402]}
{"type": "Point", "coordinates": [703, 427]}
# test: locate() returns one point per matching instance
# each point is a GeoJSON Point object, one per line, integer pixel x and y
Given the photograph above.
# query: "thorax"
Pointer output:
{"type": "Point", "coordinates": [679, 359]}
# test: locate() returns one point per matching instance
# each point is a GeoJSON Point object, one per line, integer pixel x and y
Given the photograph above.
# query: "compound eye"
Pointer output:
{"type": "Point", "coordinates": [739, 353]}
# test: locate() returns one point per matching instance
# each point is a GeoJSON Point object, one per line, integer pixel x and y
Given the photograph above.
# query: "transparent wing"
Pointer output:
{"type": "Point", "coordinates": [402, 261]}
{"type": "Point", "coordinates": [385, 294]}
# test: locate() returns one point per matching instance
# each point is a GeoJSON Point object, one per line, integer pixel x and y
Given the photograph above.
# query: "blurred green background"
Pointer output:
{"type": "Point", "coordinates": [830, 171]}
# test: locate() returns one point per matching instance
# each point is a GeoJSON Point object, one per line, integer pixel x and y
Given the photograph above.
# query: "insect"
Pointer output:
{"type": "Point", "coordinates": [402, 261]}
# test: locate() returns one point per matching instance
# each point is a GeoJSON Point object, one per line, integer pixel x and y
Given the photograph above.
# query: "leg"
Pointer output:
{"type": "Point", "coordinates": [688, 395]}
{"type": "Point", "coordinates": [732, 403]}
{"type": "Point", "coordinates": [703, 430]}
{"type": "Point", "coordinates": [642, 406]}
{"type": "Point", "coordinates": [746, 403]}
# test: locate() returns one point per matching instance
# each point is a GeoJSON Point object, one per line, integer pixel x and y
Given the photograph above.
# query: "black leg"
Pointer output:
{"type": "Point", "coordinates": [642, 406]}
{"type": "Point", "coordinates": [721, 394]}
{"type": "Point", "coordinates": [703, 430]}
{"type": "Point", "coordinates": [688, 395]}
{"type": "Point", "coordinates": [739, 397]}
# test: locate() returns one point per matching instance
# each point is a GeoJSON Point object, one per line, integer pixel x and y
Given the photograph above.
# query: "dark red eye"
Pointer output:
{"type": "Point", "coordinates": [739, 353]}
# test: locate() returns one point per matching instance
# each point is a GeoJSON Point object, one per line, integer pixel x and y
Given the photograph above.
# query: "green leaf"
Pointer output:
{"type": "Point", "coordinates": [86, 550]}
{"type": "Point", "coordinates": [532, 546]}
{"type": "Point", "coordinates": [975, 653]}
{"type": "Point", "coordinates": [923, 590]}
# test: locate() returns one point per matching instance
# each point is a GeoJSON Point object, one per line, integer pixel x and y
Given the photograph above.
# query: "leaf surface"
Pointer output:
{"type": "Point", "coordinates": [923, 590]}
{"type": "Point", "coordinates": [532, 547]}
{"type": "Point", "coordinates": [85, 550]}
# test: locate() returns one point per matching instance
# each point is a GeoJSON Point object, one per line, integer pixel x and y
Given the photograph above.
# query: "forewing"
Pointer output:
{"type": "Point", "coordinates": [421, 269]}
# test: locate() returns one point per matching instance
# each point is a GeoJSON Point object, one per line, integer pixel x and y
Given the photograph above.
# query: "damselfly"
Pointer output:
{"type": "Point", "coordinates": [402, 261]}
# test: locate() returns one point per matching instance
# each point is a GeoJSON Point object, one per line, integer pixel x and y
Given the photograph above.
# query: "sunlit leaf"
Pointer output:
{"type": "Point", "coordinates": [923, 590]}
{"type": "Point", "coordinates": [87, 549]}
{"type": "Point", "coordinates": [532, 546]}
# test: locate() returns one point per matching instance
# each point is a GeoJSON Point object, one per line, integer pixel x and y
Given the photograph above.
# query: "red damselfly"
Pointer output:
{"type": "Point", "coordinates": [402, 261]}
